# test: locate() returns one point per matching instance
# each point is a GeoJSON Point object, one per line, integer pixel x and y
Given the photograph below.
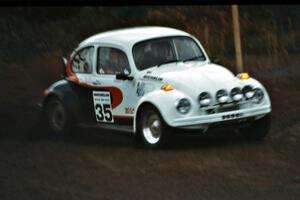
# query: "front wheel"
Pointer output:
{"type": "Point", "coordinates": [152, 129]}
{"type": "Point", "coordinates": [258, 129]}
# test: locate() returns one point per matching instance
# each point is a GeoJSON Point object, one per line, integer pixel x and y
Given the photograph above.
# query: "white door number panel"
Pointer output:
{"type": "Point", "coordinates": [102, 106]}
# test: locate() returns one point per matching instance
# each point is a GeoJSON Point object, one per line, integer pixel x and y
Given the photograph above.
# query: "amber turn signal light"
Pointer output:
{"type": "Point", "coordinates": [244, 76]}
{"type": "Point", "coordinates": [167, 87]}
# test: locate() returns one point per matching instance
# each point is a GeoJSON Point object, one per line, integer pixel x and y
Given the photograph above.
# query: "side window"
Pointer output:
{"type": "Point", "coordinates": [112, 61]}
{"type": "Point", "coordinates": [83, 61]}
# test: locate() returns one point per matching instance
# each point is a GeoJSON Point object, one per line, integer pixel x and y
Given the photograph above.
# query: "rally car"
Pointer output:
{"type": "Point", "coordinates": [152, 81]}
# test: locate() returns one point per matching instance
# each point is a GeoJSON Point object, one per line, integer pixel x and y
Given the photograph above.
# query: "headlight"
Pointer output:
{"type": "Point", "coordinates": [183, 106]}
{"type": "Point", "coordinates": [258, 95]}
{"type": "Point", "coordinates": [204, 99]}
{"type": "Point", "coordinates": [236, 94]}
{"type": "Point", "coordinates": [222, 96]}
{"type": "Point", "coordinates": [248, 92]}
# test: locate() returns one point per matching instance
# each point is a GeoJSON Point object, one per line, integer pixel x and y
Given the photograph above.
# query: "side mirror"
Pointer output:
{"type": "Point", "coordinates": [124, 77]}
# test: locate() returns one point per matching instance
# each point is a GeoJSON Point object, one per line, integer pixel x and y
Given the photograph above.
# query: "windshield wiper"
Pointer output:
{"type": "Point", "coordinates": [193, 58]}
{"type": "Point", "coordinates": [168, 61]}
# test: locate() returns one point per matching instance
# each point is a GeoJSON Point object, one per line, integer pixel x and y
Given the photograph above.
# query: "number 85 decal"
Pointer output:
{"type": "Point", "coordinates": [103, 112]}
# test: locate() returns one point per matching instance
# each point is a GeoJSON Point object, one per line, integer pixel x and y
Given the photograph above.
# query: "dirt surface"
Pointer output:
{"type": "Point", "coordinates": [93, 164]}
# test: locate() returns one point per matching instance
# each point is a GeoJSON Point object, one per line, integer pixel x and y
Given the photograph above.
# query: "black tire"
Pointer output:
{"type": "Point", "coordinates": [56, 117]}
{"type": "Point", "coordinates": [258, 129]}
{"type": "Point", "coordinates": [152, 130]}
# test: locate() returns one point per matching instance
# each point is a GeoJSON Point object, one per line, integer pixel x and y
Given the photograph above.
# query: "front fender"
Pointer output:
{"type": "Point", "coordinates": [256, 83]}
{"type": "Point", "coordinates": [163, 101]}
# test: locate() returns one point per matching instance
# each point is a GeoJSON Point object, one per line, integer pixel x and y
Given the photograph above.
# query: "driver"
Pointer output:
{"type": "Point", "coordinates": [164, 52]}
{"type": "Point", "coordinates": [114, 60]}
{"type": "Point", "coordinates": [116, 63]}
{"type": "Point", "coordinates": [112, 63]}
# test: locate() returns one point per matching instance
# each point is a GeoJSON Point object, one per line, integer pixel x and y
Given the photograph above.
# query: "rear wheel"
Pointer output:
{"type": "Point", "coordinates": [152, 130]}
{"type": "Point", "coordinates": [258, 130]}
{"type": "Point", "coordinates": [56, 116]}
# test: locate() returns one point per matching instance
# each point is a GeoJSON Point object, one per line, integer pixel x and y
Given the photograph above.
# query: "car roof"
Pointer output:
{"type": "Point", "coordinates": [130, 36]}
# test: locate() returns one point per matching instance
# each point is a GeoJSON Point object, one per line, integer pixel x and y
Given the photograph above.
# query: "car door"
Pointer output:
{"type": "Point", "coordinates": [114, 99]}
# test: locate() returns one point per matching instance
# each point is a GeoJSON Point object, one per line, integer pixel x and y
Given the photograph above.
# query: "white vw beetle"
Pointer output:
{"type": "Point", "coordinates": [152, 81]}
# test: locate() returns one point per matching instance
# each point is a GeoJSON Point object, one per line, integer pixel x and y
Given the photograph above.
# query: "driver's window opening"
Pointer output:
{"type": "Point", "coordinates": [83, 61]}
{"type": "Point", "coordinates": [112, 61]}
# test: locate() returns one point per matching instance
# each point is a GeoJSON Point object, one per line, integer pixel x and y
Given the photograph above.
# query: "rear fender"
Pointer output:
{"type": "Point", "coordinates": [63, 90]}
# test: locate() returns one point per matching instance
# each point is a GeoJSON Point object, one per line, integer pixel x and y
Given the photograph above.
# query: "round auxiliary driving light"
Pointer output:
{"type": "Point", "coordinates": [236, 94]}
{"type": "Point", "coordinates": [204, 99]}
{"type": "Point", "coordinates": [248, 92]}
{"type": "Point", "coordinates": [258, 95]}
{"type": "Point", "coordinates": [222, 96]}
{"type": "Point", "coordinates": [183, 106]}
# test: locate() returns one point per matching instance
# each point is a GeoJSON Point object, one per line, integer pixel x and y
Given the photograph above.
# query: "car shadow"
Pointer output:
{"type": "Point", "coordinates": [209, 140]}
{"type": "Point", "coordinates": [119, 139]}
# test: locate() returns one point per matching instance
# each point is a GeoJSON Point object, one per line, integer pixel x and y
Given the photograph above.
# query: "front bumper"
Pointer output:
{"type": "Point", "coordinates": [203, 121]}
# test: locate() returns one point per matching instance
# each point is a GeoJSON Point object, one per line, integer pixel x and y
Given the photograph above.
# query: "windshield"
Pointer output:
{"type": "Point", "coordinates": [160, 51]}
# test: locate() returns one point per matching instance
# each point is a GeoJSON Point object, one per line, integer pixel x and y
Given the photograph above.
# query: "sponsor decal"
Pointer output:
{"type": "Point", "coordinates": [155, 78]}
{"type": "Point", "coordinates": [140, 89]}
{"type": "Point", "coordinates": [92, 80]}
{"type": "Point", "coordinates": [129, 110]}
{"type": "Point", "coordinates": [102, 106]}
{"type": "Point", "coordinates": [97, 82]}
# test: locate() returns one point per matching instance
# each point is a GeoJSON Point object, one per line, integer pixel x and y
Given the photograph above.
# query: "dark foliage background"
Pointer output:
{"type": "Point", "coordinates": [270, 34]}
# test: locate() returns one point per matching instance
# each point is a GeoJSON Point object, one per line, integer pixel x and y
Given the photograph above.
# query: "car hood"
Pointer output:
{"type": "Point", "coordinates": [196, 77]}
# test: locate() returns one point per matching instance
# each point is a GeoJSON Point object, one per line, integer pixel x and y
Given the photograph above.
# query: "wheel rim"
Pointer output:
{"type": "Point", "coordinates": [152, 128]}
{"type": "Point", "coordinates": [56, 116]}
